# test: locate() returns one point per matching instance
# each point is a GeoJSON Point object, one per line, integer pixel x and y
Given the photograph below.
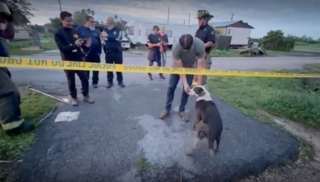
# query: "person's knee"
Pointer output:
{"type": "Point", "coordinates": [171, 90]}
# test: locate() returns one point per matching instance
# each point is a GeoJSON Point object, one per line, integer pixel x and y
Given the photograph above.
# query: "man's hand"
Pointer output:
{"type": "Point", "coordinates": [159, 44]}
{"type": "Point", "coordinates": [186, 88]}
{"type": "Point", "coordinates": [88, 43]}
{"type": "Point", "coordinates": [104, 34]}
{"type": "Point", "coordinates": [3, 25]}
{"type": "Point", "coordinates": [79, 42]}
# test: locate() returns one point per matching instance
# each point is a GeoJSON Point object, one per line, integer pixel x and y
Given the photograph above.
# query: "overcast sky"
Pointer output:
{"type": "Point", "coordinates": [298, 17]}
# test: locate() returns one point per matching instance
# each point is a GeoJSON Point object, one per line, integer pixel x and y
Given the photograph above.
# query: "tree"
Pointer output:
{"type": "Point", "coordinates": [54, 23]}
{"type": "Point", "coordinates": [273, 36]}
{"type": "Point", "coordinates": [79, 16]}
{"type": "Point", "coordinates": [21, 10]}
{"type": "Point", "coordinates": [122, 24]}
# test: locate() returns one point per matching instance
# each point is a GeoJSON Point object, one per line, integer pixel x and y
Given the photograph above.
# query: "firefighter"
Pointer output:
{"type": "Point", "coordinates": [10, 113]}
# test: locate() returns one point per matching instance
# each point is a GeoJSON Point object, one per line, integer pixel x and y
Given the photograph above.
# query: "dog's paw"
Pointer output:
{"type": "Point", "coordinates": [211, 152]}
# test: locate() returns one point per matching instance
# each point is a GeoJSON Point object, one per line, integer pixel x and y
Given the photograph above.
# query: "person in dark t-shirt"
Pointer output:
{"type": "Point", "coordinates": [154, 54]}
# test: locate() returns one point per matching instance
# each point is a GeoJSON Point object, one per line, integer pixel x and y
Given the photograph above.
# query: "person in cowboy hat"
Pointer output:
{"type": "Point", "coordinates": [207, 35]}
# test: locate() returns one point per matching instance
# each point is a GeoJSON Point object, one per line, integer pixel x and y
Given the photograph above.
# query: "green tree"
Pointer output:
{"type": "Point", "coordinates": [79, 16]}
{"type": "Point", "coordinates": [272, 36]}
{"type": "Point", "coordinates": [54, 23]}
{"type": "Point", "coordinates": [122, 24]}
{"type": "Point", "coordinates": [21, 11]}
{"type": "Point", "coordinates": [275, 40]}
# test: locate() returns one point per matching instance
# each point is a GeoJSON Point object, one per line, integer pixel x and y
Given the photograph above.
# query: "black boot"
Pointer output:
{"type": "Point", "coordinates": [109, 85]}
{"type": "Point", "coordinates": [121, 84]}
{"type": "Point", "coordinates": [25, 127]}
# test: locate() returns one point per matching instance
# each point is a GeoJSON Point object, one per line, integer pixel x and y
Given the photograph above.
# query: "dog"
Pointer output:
{"type": "Point", "coordinates": [208, 123]}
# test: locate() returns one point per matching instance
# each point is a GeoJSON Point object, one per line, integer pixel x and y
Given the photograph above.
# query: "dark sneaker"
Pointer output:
{"type": "Point", "coordinates": [95, 85]}
{"type": "Point", "coordinates": [74, 102]}
{"type": "Point", "coordinates": [184, 116]}
{"type": "Point", "coordinates": [162, 77]}
{"type": "Point", "coordinates": [150, 77]}
{"type": "Point", "coordinates": [25, 127]}
{"type": "Point", "coordinates": [121, 84]}
{"type": "Point", "coordinates": [87, 99]}
{"type": "Point", "coordinates": [109, 85]}
{"type": "Point", "coordinates": [164, 114]}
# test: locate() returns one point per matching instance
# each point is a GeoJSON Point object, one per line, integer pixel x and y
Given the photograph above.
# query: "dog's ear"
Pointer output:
{"type": "Point", "coordinates": [199, 91]}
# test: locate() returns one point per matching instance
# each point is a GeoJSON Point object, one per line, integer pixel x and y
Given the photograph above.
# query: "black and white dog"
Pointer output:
{"type": "Point", "coordinates": [208, 123]}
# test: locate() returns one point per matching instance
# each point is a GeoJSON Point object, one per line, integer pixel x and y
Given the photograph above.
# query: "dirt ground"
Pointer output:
{"type": "Point", "coordinates": [301, 171]}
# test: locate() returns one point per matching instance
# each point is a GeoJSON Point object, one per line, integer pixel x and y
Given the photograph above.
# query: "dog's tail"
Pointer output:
{"type": "Point", "coordinates": [218, 138]}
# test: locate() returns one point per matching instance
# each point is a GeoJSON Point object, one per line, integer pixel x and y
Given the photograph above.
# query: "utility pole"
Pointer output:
{"type": "Point", "coordinates": [184, 22]}
{"type": "Point", "coordinates": [60, 6]}
{"type": "Point", "coordinates": [168, 14]}
{"type": "Point", "coordinates": [232, 16]}
{"type": "Point", "coordinates": [189, 19]}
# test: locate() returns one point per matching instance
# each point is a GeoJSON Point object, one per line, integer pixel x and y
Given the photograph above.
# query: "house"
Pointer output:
{"type": "Point", "coordinates": [138, 31]}
{"type": "Point", "coordinates": [21, 33]}
{"type": "Point", "coordinates": [238, 30]}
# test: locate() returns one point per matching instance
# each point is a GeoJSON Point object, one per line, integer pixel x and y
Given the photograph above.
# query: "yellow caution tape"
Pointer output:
{"type": "Point", "coordinates": [72, 65]}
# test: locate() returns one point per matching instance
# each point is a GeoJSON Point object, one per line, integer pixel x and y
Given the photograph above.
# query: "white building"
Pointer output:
{"type": "Point", "coordinates": [238, 30]}
{"type": "Point", "coordinates": [21, 33]}
{"type": "Point", "coordinates": [139, 31]}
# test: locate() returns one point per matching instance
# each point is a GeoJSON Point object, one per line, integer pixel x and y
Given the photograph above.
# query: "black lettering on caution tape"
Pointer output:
{"type": "Point", "coordinates": [12, 61]}
{"type": "Point", "coordinates": [58, 63]}
{"type": "Point", "coordinates": [134, 67]}
{"type": "Point", "coordinates": [37, 62]}
{"type": "Point", "coordinates": [76, 64]}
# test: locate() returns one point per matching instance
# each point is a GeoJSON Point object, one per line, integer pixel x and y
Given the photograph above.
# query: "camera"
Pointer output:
{"type": "Point", "coordinates": [85, 41]}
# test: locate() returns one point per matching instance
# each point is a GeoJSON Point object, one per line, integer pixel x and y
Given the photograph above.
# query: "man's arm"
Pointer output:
{"type": "Point", "coordinates": [176, 55]}
{"type": "Point", "coordinates": [166, 38]}
{"type": "Point", "coordinates": [99, 42]}
{"type": "Point", "coordinates": [211, 39]}
{"type": "Point", "coordinates": [61, 45]}
{"type": "Point", "coordinates": [201, 56]}
{"type": "Point", "coordinates": [8, 31]}
{"type": "Point", "coordinates": [150, 44]}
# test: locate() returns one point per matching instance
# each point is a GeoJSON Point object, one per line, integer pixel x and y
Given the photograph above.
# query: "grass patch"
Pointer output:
{"type": "Point", "coordinates": [15, 48]}
{"type": "Point", "coordinates": [277, 96]}
{"type": "Point", "coordinates": [306, 151]}
{"type": "Point", "coordinates": [143, 165]}
{"type": "Point", "coordinates": [225, 53]}
{"type": "Point", "coordinates": [303, 46]}
{"type": "Point", "coordinates": [33, 107]}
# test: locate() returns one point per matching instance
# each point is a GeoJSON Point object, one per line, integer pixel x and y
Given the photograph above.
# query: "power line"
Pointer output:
{"type": "Point", "coordinates": [168, 14]}
{"type": "Point", "coordinates": [60, 5]}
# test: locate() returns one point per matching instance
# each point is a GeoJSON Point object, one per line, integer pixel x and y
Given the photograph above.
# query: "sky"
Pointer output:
{"type": "Point", "coordinates": [297, 17]}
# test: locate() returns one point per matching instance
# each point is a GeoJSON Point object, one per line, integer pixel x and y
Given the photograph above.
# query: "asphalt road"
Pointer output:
{"type": "Point", "coordinates": [120, 138]}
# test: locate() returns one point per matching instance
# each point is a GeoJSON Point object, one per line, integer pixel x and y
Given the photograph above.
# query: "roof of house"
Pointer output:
{"type": "Point", "coordinates": [230, 24]}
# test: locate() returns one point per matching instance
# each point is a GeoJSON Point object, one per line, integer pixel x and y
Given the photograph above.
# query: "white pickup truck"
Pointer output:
{"type": "Point", "coordinates": [125, 43]}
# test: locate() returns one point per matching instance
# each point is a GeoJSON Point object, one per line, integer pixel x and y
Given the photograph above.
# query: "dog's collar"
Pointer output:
{"type": "Point", "coordinates": [206, 97]}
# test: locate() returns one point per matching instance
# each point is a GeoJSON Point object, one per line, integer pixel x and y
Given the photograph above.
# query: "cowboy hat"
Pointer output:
{"type": "Point", "coordinates": [204, 14]}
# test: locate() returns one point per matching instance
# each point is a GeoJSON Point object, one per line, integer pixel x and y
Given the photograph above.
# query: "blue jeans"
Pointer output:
{"type": "Point", "coordinates": [173, 82]}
